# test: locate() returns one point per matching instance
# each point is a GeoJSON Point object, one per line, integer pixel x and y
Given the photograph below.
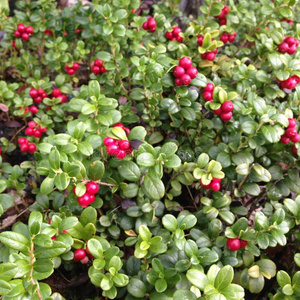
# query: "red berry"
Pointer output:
{"type": "Point", "coordinates": [226, 9]}
{"type": "Point", "coordinates": [185, 79]}
{"type": "Point", "coordinates": [92, 188]}
{"type": "Point", "coordinates": [79, 254]}
{"type": "Point", "coordinates": [185, 62]}
{"type": "Point", "coordinates": [22, 141]}
{"type": "Point", "coordinates": [152, 29]}
{"type": "Point", "coordinates": [85, 260]}
{"type": "Point", "coordinates": [292, 50]}
{"type": "Point", "coordinates": [29, 30]}
{"type": "Point", "coordinates": [40, 91]}
{"type": "Point", "coordinates": [215, 186]}
{"type": "Point", "coordinates": [112, 149]}
{"type": "Point", "coordinates": [31, 148]}
{"type": "Point", "coordinates": [108, 141]}
{"type": "Point", "coordinates": [121, 154]}
{"type": "Point", "coordinates": [76, 66]}
{"type": "Point", "coordinates": [207, 96]}
{"type": "Point", "coordinates": [37, 134]}
{"type": "Point", "coordinates": [29, 131]}
{"type": "Point", "coordinates": [176, 31]}
{"type": "Point", "coordinates": [98, 62]}
{"type": "Point", "coordinates": [74, 190]}
{"type": "Point", "coordinates": [124, 145]}
{"type": "Point", "coordinates": [283, 47]}
{"type": "Point", "coordinates": [290, 83]}
{"type": "Point", "coordinates": [210, 56]}
{"type": "Point", "coordinates": [291, 132]}
{"type": "Point", "coordinates": [178, 71]}
{"type": "Point", "coordinates": [203, 56]}
{"type": "Point", "coordinates": [205, 186]}
{"type": "Point", "coordinates": [296, 138]}
{"type": "Point", "coordinates": [92, 198]}
{"type": "Point", "coordinates": [64, 231]}
{"type": "Point", "coordinates": [48, 32]}
{"type": "Point", "coordinates": [151, 23]}
{"type": "Point", "coordinates": [178, 82]}
{"type": "Point", "coordinates": [224, 38]}
{"type": "Point", "coordinates": [96, 70]}
{"type": "Point", "coordinates": [25, 36]}
{"type": "Point", "coordinates": [192, 72]}
{"type": "Point", "coordinates": [145, 25]}
{"type": "Point", "coordinates": [119, 125]}
{"type": "Point", "coordinates": [231, 38]}
{"type": "Point", "coordinates": [292, 123]}
{"type": "Point", "coordinates": [226, 116]}
{"type": "Point", "coordinates": [169, 35]}
{"type": "Point", "coordinates": [227, 107]}
{"type": "Point", "coordinates": [31, 124]}
{"type": "Point", "coordinates": [56, 93]}
{"type": "Point", "coordinates": [33, 109]}
{"type": "Point", "coordinates": [17, 33]}
{"type": "Point", "coordinates": [21, 27]}
{"type": "Point", "coordinates": [63, 98]}
{"type": "Point", "coordinates": [84, 200]}
{"type": "Point", "coordinates": [218, 111]}
{"type": "Point", "coordinates": [24, 147]}
{"type": "Point", "coordinates": [209, 87]}
{"type": "Point", "coordinates": [200, 40]}
{"type": "Point", "coordinates": [284, 139]}
{"type": "Point", "coordinates": [233, 244]}
{"type": "Point", "coordinates": [37, 99]}
{"type": "Point", "coordinates": [217, 180]}
{"type": "Point", "coordinates": [103, 70]}
{"type": "Point", "coordinates": [71, 72]}
{"type": "Point", "coordinates": [289, 40]}
{"type": "Point", "coordinates": [222, 21]}
{"type": "Point", "coordinates": [43, 129]}
{"type": "Point", "coordinates": [243, 243]}
{"type": "Point", "coordinates": [54, 238]}
{"type": "Point", "coordinates": [179, 39]}
{"type": "Point", "coordinates": [129, 150]}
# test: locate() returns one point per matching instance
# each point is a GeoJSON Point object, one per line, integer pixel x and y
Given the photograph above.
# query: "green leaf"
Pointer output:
{"type": "Point", "coordinates": [243, 169]}
{"type": "Point", "coordinates": [137, 133]}
{"type": "Point", "coordinates": [169, 149]}
{"type": "Point", "coordinates": [169, 222]}
{"type": "Point", "coordinates": [197, 278]}
{"type": "Point", "coordinates": [88, 215]}
{"type": "Point", "coordinates": [5, 287]}
{"type": "Point", "coordinates": [85, 148]}
{"type": "Point", "coordinates": [251, 189]}
{"type": "Point", "coordinates": [8, 271]}
{"type": "Point", "coordinates": [160, 285]}
{"type": "Point", "coordinates": [153, 188]}
{"type": "Point", "coordinates": [94, 89]}
{"type": "Point", "coordinates": [96, 170]}
{"type": "Point", "coordinates": [57, 249]}
{"type": "Point", "coordinates": [62, 181]}
{"type": "Point", "coordinates": [183, 294]}
{"type": "Point", "coordinates": [136, 288]}
{"type": "Point", "coordinates": [283, 278]}
{"type": "Point", "coordinates": [145, 233]}
{"type": "Point", "coordinates": [202, 160]}
{"type": "Point", "coordinates": [267, 268]}
{"type": "Point", "coordinates": [43, 265]}
{"type": "Point", "coordinates": [54, 159]}
{"type": "Point", "coordinates": [15, 240]}
{"type": "Point", "coordinates": [61, 139]}
{"type": "Point", "coordinates": [146, 160]}
{"type": "Point", "coordinates": [130, 171]}
{"type": "Point", "coordinates": [224, 278]}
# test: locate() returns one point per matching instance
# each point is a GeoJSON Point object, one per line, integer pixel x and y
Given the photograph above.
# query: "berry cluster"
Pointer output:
{"type": "Point", "coordinates": [184, 73]}
{"type": "Point", "coordinates": [71, 70]}
{"type": "Point", "coordinates": [289, 83]}
{"type": "Point", "coordinates": [82, 255]}
{"type": "Point", "coordinates": [35, 130]}
{"type": "Point", "coordinates": [56, 93]}
{"type": "Point", "coordinates": [208, 92]}
{"type": "Point", "coordinates": [225, 111]}
{"type": "Point", "coordinates": [227, 38]}
{"type": "Point", "coordinates": [208, 55]}
{"type": "Point", "coordinates": [37, 95]}
{"type": "Point", "coordinates": [174, 34]}
{"type": "Point", "coordinates": [25, 146]}
{"type": "Point", "coordinates": [291, 22]}
{"type": "Point", "coordinates": [150, 25]}
{"type": "Point", "coordinates": [86, 199]}
{"type": "Point", "coordinates": [97, 67]}
{"type": "Point", "coordinates": [291, 133]}
{"type": "Point", "coordinates": [222, 15]}
{"type": "Point", "coordinates": [236, 244]}
{"type": "Point", "coordinates": [215, 184]}
{"type": "Point", "coordinates": [23, 32]}
{"type": "Point", "coordinates": [289, 45]}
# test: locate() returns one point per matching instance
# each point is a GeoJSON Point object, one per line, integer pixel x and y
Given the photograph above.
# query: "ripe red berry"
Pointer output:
{"type": "Point", "coordinates": [112, 149]}
{"type": "Point", "coordinates": [63, 98]}
{"type": "Point", "coordinates": [121, 154]}
{"type": "Point", "coordinates": [200, 40]}
{"type": "Point", "coordinates": [151, 23]}
{"type": "Point", "coordinates": [56, 92]}
{"type": "Point", "coordinates": [21, 27]}
{"type": "Point", "coordinates": [215, 186]}
{"type": "Point", "coordinates": [292, 123]}
{"type": "Point", "coordinates": [218, 111]}
{"type": "Point", "coordinates": [283, 47]}
{"type": "Point", "coordinates": [207, 96]}
{"type": "Point", "coordinates": [289, 40]}
{"type": "Point", "coordinates": [48, 32]}
{"type": "Point", "coordinates": [243, 243]}
{"type": "Point", "coordinates": [40, 91]}
{"type": "Point", "coordinates": [185, 79]}
{"type": "Point", "coordinates": [209, 87]}
{"type": "Point", "coordinates": [233, 244]}
{"type": "Point", "coordinates": [224, 38]}
{"type": "Point", "coordinates": [37, 134]}
{"type": "Point", "coordinates": [178, 71]}
{"type": "Point", "coordinates": [25, 36]}
{"type": "Point", "coordinates": [29, 131]}
{"type": "Point", "coordinates": [92, 198]}
{"type": "Point", "coordinates": [54, 238]}
{"type": "Point", "coordinates": [226, 116]}
{"type": "Point", "coordinates": [129, 150]}
{"type": "Point", "coordinates": [42, 129]}
{"type": "Point", "coordinates": [231, 38]}
{"type": "Point", "coordinates": [33, 109]}
{"type": "Point", "coordinates": [227, 107]}
{"type": "Point", "coordinates": [84, 200]}
{"type": "Point", "coordinates": [92, 188]}
{"type": "Point", "coordinates": [17, 33]}
{"type": "Point", "coordinates": [296, 138]}
{"type": "Point", "coordinates": [31, 148]}
{"type": "Point", "coordinates": [98, 62]}
{"type": "Point", "coordinates": [192, 72]}
{"type": "Point", "coordinates": [103, 70]}
{"type": "Point", "coordinates": [96, 70]}
{"type": "Point", "coordinates": [176, 30]}
{"type": "Point", "coordinates": [292, 49]}
{"type": "Point", "coordinates": [185, 62]}
{"type": "Point", "coordinates": [217, 180]}
{"type": "Point", "coordinates": [24, 147]}
{"type": "Point", "coordinates": [108, 141]}
{"type": "Point", "coordinates": [71, 72]}
{"type": "Point", "coordinates": [284, 139]}
{"type": "Point", "coordinates": [31, 124]}
{"type": "Point", "coordinates": [79, 254]}
{"type": "Point", "coordinates": [210, 56]}
{"type": "Point", "coordinates": [119, 125]}
{"type": "Point", "coordinates": [145, 25]}
{"type": "Point", "coordinates": [179, 39]}
{"type": "Point", "coordinates": [222, 21]}
{"type": "Point", "coordinates": [22, 141]}
{"type": "Point", "coordinates": [76, 66]}
{"type": "Point", "coordinates": [169, 35]}
{"type": "Point", "coordinates": [178, 82]}
{"type": "Point", "coordinates": [124, 145]}
{"type": "Point", "coordinates": [290, 132]}
{"type": "Point", "coordinates": [205, 186]}
{"type": "Point", "coordinates": [29, 30]}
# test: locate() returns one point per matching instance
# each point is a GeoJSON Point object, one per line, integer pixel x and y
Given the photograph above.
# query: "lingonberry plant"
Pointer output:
{"type": "Point", "coordinates": [154, 155]}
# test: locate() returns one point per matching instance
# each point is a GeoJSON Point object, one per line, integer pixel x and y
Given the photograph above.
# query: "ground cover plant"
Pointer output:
{"type": "Point", "coordinates": [146, 154]}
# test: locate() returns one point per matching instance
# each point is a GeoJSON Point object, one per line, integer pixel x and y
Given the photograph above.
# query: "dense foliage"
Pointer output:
{"type": "Point", "coordinates": [155, 153]}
